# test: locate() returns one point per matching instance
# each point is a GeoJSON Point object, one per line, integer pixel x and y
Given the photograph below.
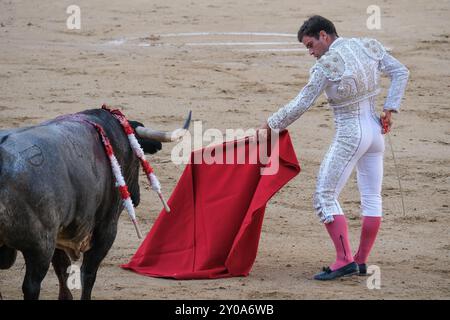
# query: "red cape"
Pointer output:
{"type": "Point", "coordinates": [214, 226]}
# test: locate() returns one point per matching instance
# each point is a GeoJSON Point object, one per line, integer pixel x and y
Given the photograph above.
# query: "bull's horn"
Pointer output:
{"type": "Point", "coordinates": [165, 136]}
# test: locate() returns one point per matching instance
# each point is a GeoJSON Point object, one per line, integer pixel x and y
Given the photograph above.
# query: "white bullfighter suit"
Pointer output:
{"type": "Point", "coordinates": [349, 74]}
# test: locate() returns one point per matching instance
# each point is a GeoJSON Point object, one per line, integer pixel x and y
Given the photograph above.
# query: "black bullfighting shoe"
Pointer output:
{"type": "Point", "coordinates": [362, 269]}
{"type": "Point", "coordinates": [328, 274]}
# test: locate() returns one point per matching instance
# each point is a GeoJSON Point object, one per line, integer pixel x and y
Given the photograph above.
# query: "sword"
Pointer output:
{"type": "Point", "coordinates": [386, 129]}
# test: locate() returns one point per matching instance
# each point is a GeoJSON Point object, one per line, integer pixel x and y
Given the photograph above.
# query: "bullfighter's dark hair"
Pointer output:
{"type": "Point", "coordinates": [314, 25]}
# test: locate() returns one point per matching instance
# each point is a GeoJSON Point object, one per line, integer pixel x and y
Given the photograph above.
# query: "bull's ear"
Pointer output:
{"type": "Point", "coordinates": [148, 145]}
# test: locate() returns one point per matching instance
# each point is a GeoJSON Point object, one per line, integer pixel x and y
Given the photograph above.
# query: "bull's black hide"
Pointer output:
{"type": "Point", "coordinates": [58, 196]}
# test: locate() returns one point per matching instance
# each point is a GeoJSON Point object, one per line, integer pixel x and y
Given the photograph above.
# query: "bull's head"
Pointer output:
{"type": "Point", "coordinates": [150, 140]}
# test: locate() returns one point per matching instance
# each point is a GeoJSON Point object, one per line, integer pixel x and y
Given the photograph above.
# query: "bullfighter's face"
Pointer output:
{"type": "Point", "coordinates": [317, 47]}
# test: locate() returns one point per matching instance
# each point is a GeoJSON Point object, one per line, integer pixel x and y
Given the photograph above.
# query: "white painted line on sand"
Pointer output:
{"type": "Point", "coordinates": [274, 50]}
{"type": "Point", "coordinates": [264, 34]}
{"type": "Point", "coordinates": [117, 42]}
{"type": "Point", "coordinates": [240, 43]}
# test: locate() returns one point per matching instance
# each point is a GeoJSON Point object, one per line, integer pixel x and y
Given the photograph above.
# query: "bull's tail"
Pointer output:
{"type": "Point", "coordinates": [7, 257]}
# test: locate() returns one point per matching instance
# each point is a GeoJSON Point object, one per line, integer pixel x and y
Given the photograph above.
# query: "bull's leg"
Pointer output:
{"type": "Point", "coordinates": [102, 242]}
{"type": "Point", "coordinates": [7, 257]}
{"type": "Point", "coordinates": [37, 261]}
{"type": "Point", "coordinates": [61, 263]}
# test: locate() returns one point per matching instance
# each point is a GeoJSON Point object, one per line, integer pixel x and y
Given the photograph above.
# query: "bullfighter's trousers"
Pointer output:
{"type": "Point", "coordinates": [359, 142]}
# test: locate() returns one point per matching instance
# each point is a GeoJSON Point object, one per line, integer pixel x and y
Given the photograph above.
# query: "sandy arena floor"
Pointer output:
{"type": "Point", "coordinates": [231, 73]}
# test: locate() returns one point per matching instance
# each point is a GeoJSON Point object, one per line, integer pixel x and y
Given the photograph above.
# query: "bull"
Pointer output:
{"type": "Point", "coordinates": [58, 197]}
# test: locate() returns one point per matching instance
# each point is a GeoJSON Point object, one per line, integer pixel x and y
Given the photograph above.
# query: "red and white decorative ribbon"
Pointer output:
{"type": "Point", "coordinates": [148, 170]}
{"type": "Point", "coordinates": [120, 181]}
{"type": "Point", "coordinates": [117, 172]}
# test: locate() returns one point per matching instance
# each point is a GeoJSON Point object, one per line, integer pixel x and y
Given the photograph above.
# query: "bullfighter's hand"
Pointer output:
{"type": "Point", "coordinates": [386, 121]}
